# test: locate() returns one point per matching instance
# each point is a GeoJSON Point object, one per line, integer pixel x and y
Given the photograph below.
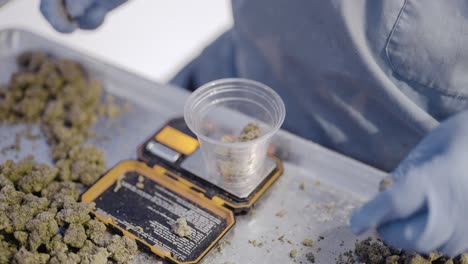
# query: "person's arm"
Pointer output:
{"type": "Point", "coordinates": [426, 207]}
{"type": "Point", "coordinates": [68, 15]}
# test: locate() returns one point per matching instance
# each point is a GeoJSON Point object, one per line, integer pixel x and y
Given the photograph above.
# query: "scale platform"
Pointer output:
{"type": "Point", "coordinates": [143, 199]}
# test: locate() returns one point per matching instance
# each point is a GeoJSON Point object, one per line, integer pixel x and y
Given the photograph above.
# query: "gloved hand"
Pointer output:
{"type": "Point", "coordinates": [426, 207]}
{"type": "Point", "coordinates": [67, 15]}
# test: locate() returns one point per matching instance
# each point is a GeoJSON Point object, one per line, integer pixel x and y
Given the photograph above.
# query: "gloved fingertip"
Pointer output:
{"type": "Point", "coordinates": [93, 18]}
{"type": "Point", "coordinates": [406, 234]}
{"type": "Point", "coordinates": [109, 5]}
{"type": "Point", "coordinates": [449, 252]}
{"type": "Point", "coordinates": [64, 28]}
{"type": "Point", "coordinates": [357, 225]}
{"type": "Point", "coordinates": [54, 12]}
{"type": "Point", "coordinates": [391, 233]}
{"type": "Point", "coordinates": [371, 214]}
{"type": "Point", "coordinates": [453, 248]}
{"type": "Point", "coordinates": [77, 8]}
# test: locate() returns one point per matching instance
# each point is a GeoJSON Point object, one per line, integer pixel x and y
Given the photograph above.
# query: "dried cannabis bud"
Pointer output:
{"type": "Point", "coordinates": [22, 214]}
{"type": "Point", "coordinates": [75, 213]}
{"type": "Point", "coordinates": [95, 230]}
{"type": "Point", "coordinates": [92, 254]}
{"type": "Point", "coordinates": [255, 243]}
{"type": "Point", "coordinates": [56, 245]}
{"type": "Point", "coordinates": [250, 132]}
{"type": "Point", "coordinates": [376, 252]}
{"type": "Point", "coordinates": [463, 259]}
{"type": "Point", "coordinates": [38, 202]}
{"type": "Point", "coordinates": [88, 164]}
{"type": "Point", "coordinates": [373, 252]}
{"type": "Point", "coordinates": [60, 192]}
{"type": "Point", "coordinates": [122, 249]}
{"type": "Point", "coordinates": [181, 228]}
{"type": "Point", "coordinates": [141, 182]}
{"type": "Point", "coordinates": [21, 237]}
{"type": "Point", "coordinates": [310, 257]}
{"type": "Point", "coordinates": [16, 171]}
{"type": "Point", "coordinates": [58, 94]}
{"type": "Point", "coordinates": [302, 186]}
{"type": "Point", "coordinates": [308, 242]}
{"type": "Point", "coordinates": [75, 235]}
{"type": "Point", "coordinates": [417, 259]}
{"type": "Point", "coordinates": [228, 166]}
{"type": "Point", "coordinates": [23, 256]}
{"type": "Point", "coordinates": [40, 176]}
{"type": "Point", "coordinates": [42, 228]}
{"type": "Point", "coordinates": [7, 250]}
{"type": "Point", "coordinates": [9, 196]}
{"type": "Point", "coordinates": [65, 258]}
{"type": "Point", "coordinates": [293, 253]}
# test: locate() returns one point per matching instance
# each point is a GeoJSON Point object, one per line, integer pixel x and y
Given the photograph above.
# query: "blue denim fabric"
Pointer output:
{"type": "Point", "coordinates": [368, 79]}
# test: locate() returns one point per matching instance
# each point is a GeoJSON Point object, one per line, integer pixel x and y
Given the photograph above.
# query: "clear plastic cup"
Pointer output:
{"type": "Point", "coordinates": [221, 109]}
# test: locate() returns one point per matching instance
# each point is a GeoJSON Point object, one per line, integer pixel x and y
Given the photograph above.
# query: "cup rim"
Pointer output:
{"type": "Point", "coordinates": [266, 88]}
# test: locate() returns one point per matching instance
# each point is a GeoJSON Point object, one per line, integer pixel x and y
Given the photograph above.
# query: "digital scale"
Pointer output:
{"type": "Point", "coordinates": [143, 199]}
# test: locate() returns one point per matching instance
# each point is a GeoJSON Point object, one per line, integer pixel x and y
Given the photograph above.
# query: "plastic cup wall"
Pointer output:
{"type": "Point", "coordinates": [224, 107]}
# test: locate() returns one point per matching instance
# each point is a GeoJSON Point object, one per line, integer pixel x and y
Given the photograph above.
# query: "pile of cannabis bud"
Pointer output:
{"type": "Point", "coordinates": [41, 220]}
{"type": "Point", "coordinates": [371, 251]}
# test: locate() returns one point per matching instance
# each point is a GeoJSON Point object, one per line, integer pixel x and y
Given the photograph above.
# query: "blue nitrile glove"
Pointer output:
{"type": "Point", "coordinates": [426, 207]}
{"type": "Point", "coordinates": [67, 15]}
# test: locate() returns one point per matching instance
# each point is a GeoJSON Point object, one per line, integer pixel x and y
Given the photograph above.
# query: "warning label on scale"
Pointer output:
{"type": "Point", "coordinates": [149, 210]}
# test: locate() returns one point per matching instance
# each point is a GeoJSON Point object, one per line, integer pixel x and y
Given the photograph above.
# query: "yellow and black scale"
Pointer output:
{"type": "Point", "coordinates": [170, 191]}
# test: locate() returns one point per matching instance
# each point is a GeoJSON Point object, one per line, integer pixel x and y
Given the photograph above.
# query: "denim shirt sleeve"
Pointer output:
{"type": "Point", "coordinates": [429, 45]}
{"type": "Point", "coordinates": [368, 79]}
